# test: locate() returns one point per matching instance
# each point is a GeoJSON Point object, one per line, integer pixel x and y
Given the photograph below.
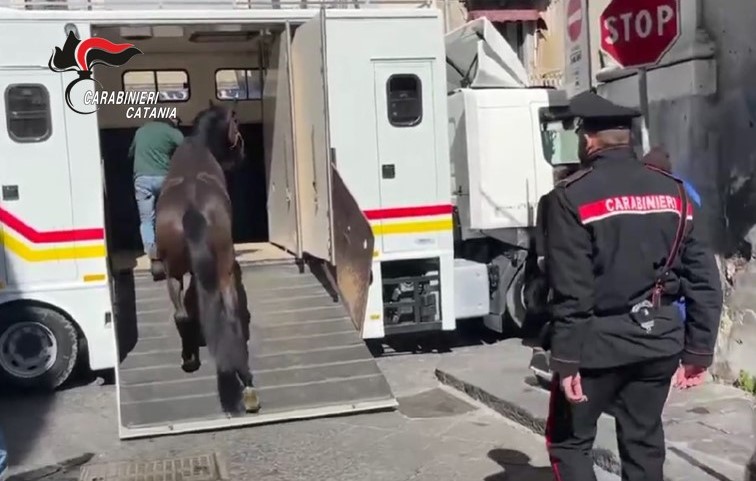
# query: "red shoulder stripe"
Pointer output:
{"type": "Point", "coordinates": [632, 205]}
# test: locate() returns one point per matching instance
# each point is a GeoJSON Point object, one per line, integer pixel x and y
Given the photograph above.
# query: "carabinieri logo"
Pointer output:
{"type": "Point", "coordinates": [81, 56]}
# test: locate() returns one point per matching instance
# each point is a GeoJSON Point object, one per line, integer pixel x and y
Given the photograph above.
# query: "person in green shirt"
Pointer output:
{"type": "Point", "coordinates": [151, 149]}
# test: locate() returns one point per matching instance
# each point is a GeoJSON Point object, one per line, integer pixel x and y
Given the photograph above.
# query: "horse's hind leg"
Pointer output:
{"type": "Point", "coordinates": [187, 329]}
{"type": "Point", "coordinates": [241, 297]}
{"type": "Point", "coordinates": [231, 301]}
{"type": "Point", "coordinates": [251, 400]}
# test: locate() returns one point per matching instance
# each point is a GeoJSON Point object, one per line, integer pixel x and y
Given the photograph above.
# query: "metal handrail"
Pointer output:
{"type": "Point", "coordinates": [203, 4]}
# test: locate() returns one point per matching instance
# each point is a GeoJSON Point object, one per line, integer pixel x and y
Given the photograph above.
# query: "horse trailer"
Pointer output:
{"type": "Point", "coordinates": [368, 205]}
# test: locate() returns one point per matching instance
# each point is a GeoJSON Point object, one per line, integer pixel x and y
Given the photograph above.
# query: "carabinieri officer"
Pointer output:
{"type": "Point", "coordinates": [621, 244]}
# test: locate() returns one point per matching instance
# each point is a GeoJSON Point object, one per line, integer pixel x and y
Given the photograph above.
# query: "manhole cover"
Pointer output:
{"type": "Point", "coordinates": [206, 467]}
{"type": "Point", "coordinates": [432, 404]}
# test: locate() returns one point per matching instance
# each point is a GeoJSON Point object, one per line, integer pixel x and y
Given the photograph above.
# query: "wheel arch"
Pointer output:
{"type": "Point", "coordinates": [82, 338]}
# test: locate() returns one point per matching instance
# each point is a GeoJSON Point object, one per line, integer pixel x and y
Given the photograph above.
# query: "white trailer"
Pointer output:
{"type": "Point", "coordinates": [354, 174]}
{"type": "Point", "coordinates": [344, 212]}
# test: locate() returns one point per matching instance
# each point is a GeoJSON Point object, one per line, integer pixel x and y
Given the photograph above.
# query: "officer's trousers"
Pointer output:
{"type": "Point", "coordinates": [635, 395]}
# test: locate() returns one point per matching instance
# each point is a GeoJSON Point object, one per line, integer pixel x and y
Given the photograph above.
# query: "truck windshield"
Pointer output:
{"type": "Point", "coordinates": [559, 142]}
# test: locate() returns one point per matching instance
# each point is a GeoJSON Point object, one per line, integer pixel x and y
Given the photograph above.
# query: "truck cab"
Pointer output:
{"type": "Point", "coordinates": [505, 141]}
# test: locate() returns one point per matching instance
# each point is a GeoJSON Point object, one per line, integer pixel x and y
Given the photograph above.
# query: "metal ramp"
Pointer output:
{"type": "Point", "coordinates": [307, 358]}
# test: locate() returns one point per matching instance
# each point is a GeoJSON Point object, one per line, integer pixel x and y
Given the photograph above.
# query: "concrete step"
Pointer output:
{"type": "Point", "coordinates": [708, 429]}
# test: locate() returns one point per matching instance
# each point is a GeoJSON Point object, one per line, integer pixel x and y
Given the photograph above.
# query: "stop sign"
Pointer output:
{"type": "Point", "coordinates": [637, 33]}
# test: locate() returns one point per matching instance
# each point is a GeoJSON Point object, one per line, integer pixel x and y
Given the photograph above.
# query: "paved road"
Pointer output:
{"type": "Point", "coordinates": [462, 441]}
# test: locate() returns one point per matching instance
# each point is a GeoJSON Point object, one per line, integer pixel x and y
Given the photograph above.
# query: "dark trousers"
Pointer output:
{"type": "Point", "coordinates": [635, 395]}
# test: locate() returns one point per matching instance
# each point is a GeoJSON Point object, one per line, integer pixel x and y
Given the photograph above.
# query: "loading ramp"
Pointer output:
{"type": "Point", "coordinates": [306, 356]}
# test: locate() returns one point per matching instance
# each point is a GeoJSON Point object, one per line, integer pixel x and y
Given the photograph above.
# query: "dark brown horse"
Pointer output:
{"type": "Point", "coordinates": [193, 235]}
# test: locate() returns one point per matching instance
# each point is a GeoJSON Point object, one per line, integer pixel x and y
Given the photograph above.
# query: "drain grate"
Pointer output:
{"type": "Point", "coordinates": [205, 467]}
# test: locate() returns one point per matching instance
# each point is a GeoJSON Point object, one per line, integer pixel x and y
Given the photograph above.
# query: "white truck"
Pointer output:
{"type": "Point", "coordinates": [415, 205]}
{"type": "Point", "coordinates": [504, 144]}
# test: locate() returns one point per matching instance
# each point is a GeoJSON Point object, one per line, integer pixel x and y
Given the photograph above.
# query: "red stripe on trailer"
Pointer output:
{"type": "Point", "coordinates": [399, 212]}
{"type": "Point", "coordinates": [51, 236]}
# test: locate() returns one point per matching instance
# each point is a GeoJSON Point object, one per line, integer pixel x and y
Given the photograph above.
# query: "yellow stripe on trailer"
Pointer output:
{"type": "Point", "coordinates": [413, 227]}
{"type": "Point", "coordinates": [26, 253]}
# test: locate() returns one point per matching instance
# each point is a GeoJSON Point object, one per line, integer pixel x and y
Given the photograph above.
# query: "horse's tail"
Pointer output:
{"type": "Point", "coordinates": [219, 322]}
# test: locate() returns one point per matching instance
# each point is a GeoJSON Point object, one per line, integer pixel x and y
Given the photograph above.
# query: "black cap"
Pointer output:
{"type": "Point", "coordinates": [598, 113]}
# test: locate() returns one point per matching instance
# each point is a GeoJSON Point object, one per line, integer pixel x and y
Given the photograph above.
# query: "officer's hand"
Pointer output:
{"type": "Point", "coordinates": [688, 376]}
{"type": "Point", "coordinates": [573, 389]}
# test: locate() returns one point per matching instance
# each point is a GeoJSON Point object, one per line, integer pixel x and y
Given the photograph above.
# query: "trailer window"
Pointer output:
{"type": "Point", "coordinates": [172, 85]}
{"type": "Point", "coordinates": [404, 94]}
{"type": "Point", "coordinates": [27, 109]}
{"type": "Point", "coordinates": [238, 84]}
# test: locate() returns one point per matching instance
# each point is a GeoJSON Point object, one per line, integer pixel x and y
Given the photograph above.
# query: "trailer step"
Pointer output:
{"type": "Point", "coordinates": [306, 357]}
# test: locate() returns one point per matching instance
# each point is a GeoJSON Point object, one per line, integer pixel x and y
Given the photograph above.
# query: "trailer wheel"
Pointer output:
{"type": "Point", "coordinates": [39, 347]}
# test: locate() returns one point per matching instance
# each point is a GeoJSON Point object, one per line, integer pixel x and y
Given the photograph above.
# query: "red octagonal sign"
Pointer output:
{"type": "Point", "coordinates": [637, 33]}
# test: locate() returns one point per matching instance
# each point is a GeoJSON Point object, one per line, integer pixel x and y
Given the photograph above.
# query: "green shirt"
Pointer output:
{"type": "Point", "coordinates": [153, 146]}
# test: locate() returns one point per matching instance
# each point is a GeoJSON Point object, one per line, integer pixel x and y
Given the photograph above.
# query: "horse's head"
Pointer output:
{"type": "Point", "coordinates": [219, 128]}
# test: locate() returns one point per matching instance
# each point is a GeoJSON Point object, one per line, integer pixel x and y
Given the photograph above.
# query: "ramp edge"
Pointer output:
{"type": "Point", "coordinates": [194, 426]}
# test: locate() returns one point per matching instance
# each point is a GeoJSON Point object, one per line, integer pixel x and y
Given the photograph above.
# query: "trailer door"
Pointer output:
{"type": "Point", "coordinates": [406, 134]}
{"type": "Point", "coordinates": [281, 170]}
{"type": "Point", "coordinates": [38, 237]}
{"type": "Point", "coordinates": [312, 136]}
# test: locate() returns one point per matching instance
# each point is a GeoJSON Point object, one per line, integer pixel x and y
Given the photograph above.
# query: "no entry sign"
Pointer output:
{"type": "Point", "coordinates": [574, 19]}
{"type": "Point", "coordinates": [637, 33]}
{"type": "Point", "coordinates": [577, 52]}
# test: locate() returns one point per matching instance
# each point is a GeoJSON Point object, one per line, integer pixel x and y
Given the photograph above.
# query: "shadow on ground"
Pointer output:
{"type": "Point", "coordinates": [516, 466]}
{"type": "Point", "coordinates": [470, 332]}
{"type": "Point", "coordinates": [25, 414]}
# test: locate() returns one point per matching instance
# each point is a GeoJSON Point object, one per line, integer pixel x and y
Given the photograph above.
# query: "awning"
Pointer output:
{"type": "Point", "coordinates": [510, 15]}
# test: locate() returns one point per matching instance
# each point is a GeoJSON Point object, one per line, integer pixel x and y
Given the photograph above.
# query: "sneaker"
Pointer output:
{"type": "Point", "coordinates": [539, 364]}
{"type": "Point", "coordinates": [157, 270]}
{"type": "Point", "coordinates": [3, 460]}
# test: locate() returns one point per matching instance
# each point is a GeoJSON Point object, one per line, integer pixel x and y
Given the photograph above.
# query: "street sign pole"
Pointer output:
{"type": "Point", "coordinates": [589, 61]}
{"type": "Point", "coordinates": [578, 75]}
{"type": "Point", "coordinates": [643, 96]}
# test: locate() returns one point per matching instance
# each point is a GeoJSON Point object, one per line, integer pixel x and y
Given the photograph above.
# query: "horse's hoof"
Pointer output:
{"type": "Point", "coordinates": [251, 401]}
{"type": "Point", "coordinates": [191, 365]}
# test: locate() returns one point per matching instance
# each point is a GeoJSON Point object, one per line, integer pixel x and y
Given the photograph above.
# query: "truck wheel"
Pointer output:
{"type": "Point", "coordinates": [515, 299]}
{"type": "Point", "coordinates": [38, 347]}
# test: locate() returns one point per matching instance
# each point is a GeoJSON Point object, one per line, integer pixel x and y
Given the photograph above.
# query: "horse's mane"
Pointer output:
{"type": "Point", "coordinates": [208, 120]}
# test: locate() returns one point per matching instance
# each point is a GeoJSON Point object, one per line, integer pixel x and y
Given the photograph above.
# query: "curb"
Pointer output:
{"type": "Point", "coordinates": [603, 458]}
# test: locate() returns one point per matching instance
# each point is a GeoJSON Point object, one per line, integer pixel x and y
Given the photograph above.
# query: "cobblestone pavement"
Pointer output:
{"type": "Point", "coordinates": [462, 440]}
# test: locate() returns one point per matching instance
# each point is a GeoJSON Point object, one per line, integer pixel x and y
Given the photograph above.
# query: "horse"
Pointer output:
{"type": "Point", "coordinates": [193, 235]}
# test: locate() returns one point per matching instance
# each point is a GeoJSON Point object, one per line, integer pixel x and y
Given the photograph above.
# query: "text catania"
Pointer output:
{"type": "Point", "coordinates": [630, 204]}
{"type": "Point", "coordinates": [141, 105]}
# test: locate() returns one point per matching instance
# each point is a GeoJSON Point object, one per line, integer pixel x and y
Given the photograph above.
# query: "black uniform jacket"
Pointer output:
{"type": "Point", "coordinates": [608, 231]}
